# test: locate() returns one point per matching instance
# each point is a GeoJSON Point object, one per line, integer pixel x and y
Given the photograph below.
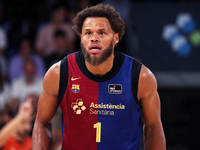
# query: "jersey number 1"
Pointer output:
{"type": "Point", "coordinates": [98, 131]}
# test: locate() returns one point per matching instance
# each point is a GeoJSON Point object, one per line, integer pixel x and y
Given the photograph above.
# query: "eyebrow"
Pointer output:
{"type": "Point", "coordinates": [103, 29]}
{"type": "Point", "coordinates": [86, 29]}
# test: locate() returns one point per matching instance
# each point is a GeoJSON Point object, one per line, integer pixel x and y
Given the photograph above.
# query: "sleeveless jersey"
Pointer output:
{"type": "Point", "coordinates": [100, 113]}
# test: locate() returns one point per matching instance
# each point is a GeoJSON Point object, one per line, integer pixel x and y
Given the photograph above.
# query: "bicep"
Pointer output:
{"type": "Point", "coordinates": [47, 106]}
{"type": "Point", "coordinates": [150, 101]}
{"type": "Point", "coordinates": [48, 101]}
{"type": "Point", "coordinates": [151, 109]}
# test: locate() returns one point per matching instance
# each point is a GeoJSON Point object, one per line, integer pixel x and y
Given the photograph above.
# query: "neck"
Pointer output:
{"type": "Point", "coordinates": [101, 69]}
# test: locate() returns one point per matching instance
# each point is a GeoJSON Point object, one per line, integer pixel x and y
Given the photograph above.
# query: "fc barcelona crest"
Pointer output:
{"type": "Point", "coordinates": [75, 88]}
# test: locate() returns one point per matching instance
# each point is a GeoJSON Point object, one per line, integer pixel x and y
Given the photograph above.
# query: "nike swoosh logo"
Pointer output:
{"type": "Point", "coordinates": [75, 78]}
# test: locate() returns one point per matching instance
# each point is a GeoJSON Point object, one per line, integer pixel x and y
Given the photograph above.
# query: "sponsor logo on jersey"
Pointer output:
{"type": "Point", "coordinates": [115, 88]}
{"type": "Point", "coordinates": [75, 88]}
{"type": "Point", "coordinates": [100, 109]}
{"type": "Point", "coordinates": [105, 109]}
{"type": "Point", "coordinates": [73, 79]}
{"type": "Point", "coordinates": [107, 106]}
{"type": "Point", "coordinates": [78, 106]}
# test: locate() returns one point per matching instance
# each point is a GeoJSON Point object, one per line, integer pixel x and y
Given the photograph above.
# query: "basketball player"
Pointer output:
{"type": "Point", "coordinates": [99, 92]}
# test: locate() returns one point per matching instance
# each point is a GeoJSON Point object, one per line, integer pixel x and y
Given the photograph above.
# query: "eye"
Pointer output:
{"type": "Point", "coordinates": [88, 33]}
{"type": "Point", "coordinates": [102, 33]}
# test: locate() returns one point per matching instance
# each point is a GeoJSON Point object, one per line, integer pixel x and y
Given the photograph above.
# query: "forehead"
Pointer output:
{"type": "Point", "coordinates": [96, 22]}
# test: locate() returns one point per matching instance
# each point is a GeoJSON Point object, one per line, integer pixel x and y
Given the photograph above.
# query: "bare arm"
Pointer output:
{"type": "Point", "coordinates": [10, 129]}
{"type": "Point", "coordinates": [154, 137]}
{"type": "Point", "coordinates": [47, 106]}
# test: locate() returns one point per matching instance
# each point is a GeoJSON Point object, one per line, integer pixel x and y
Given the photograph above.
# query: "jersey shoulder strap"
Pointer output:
{"type": "Point", "coordinates": [135, 74]}
{"type": "Point", "coordinates": [63, 79]}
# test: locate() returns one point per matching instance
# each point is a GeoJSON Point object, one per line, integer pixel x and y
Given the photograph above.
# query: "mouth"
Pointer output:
{"type": "Point", "coordinates": [94, 48]}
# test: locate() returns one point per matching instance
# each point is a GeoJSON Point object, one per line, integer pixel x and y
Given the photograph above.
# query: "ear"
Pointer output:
{"type": "Point", "coordinates": [116, 38]}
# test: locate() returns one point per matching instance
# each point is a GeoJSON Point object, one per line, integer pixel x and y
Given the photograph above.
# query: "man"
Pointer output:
{"type": "Point", "coordinates": [29, 83]}
{"type": "Point", "coordinates": [98, 91]}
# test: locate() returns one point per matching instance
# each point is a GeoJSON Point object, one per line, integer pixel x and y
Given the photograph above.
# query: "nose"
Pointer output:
{"type": "Point", "coordinates": [94, 38]}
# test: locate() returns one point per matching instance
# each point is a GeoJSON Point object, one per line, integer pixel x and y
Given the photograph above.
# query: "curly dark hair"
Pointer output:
{"type": "Point", "coordinates": [100, 10]}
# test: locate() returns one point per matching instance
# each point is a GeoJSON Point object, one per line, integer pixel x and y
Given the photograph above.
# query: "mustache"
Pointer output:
{"type": "Point", "coordinates": [92, 43]}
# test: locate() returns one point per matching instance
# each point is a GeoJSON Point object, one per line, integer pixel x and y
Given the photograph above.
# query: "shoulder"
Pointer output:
{"type": "Point", "coordinates": [146, 73]}
{"type": "Point", "coordinates": [52, 78]}
{"type": "Point", "coordinates": [147, 82]}
{"type": "Point", "coordinates": [53, 72]}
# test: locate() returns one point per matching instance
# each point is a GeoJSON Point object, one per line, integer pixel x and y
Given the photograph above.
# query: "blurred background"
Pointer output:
{"type": "Point", "coordinates": [162, 34]}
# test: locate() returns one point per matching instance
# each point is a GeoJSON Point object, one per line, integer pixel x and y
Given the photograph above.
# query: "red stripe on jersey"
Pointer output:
{"type": "Point", "coordinates": [79, 132]}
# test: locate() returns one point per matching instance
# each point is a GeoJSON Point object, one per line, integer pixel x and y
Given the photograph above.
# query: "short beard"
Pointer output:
{"type": "Point", "coordinates": [94, 60]}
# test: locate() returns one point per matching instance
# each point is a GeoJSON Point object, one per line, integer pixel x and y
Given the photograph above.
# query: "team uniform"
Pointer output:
{"type": "Point", "coordinates": [100, 113]}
